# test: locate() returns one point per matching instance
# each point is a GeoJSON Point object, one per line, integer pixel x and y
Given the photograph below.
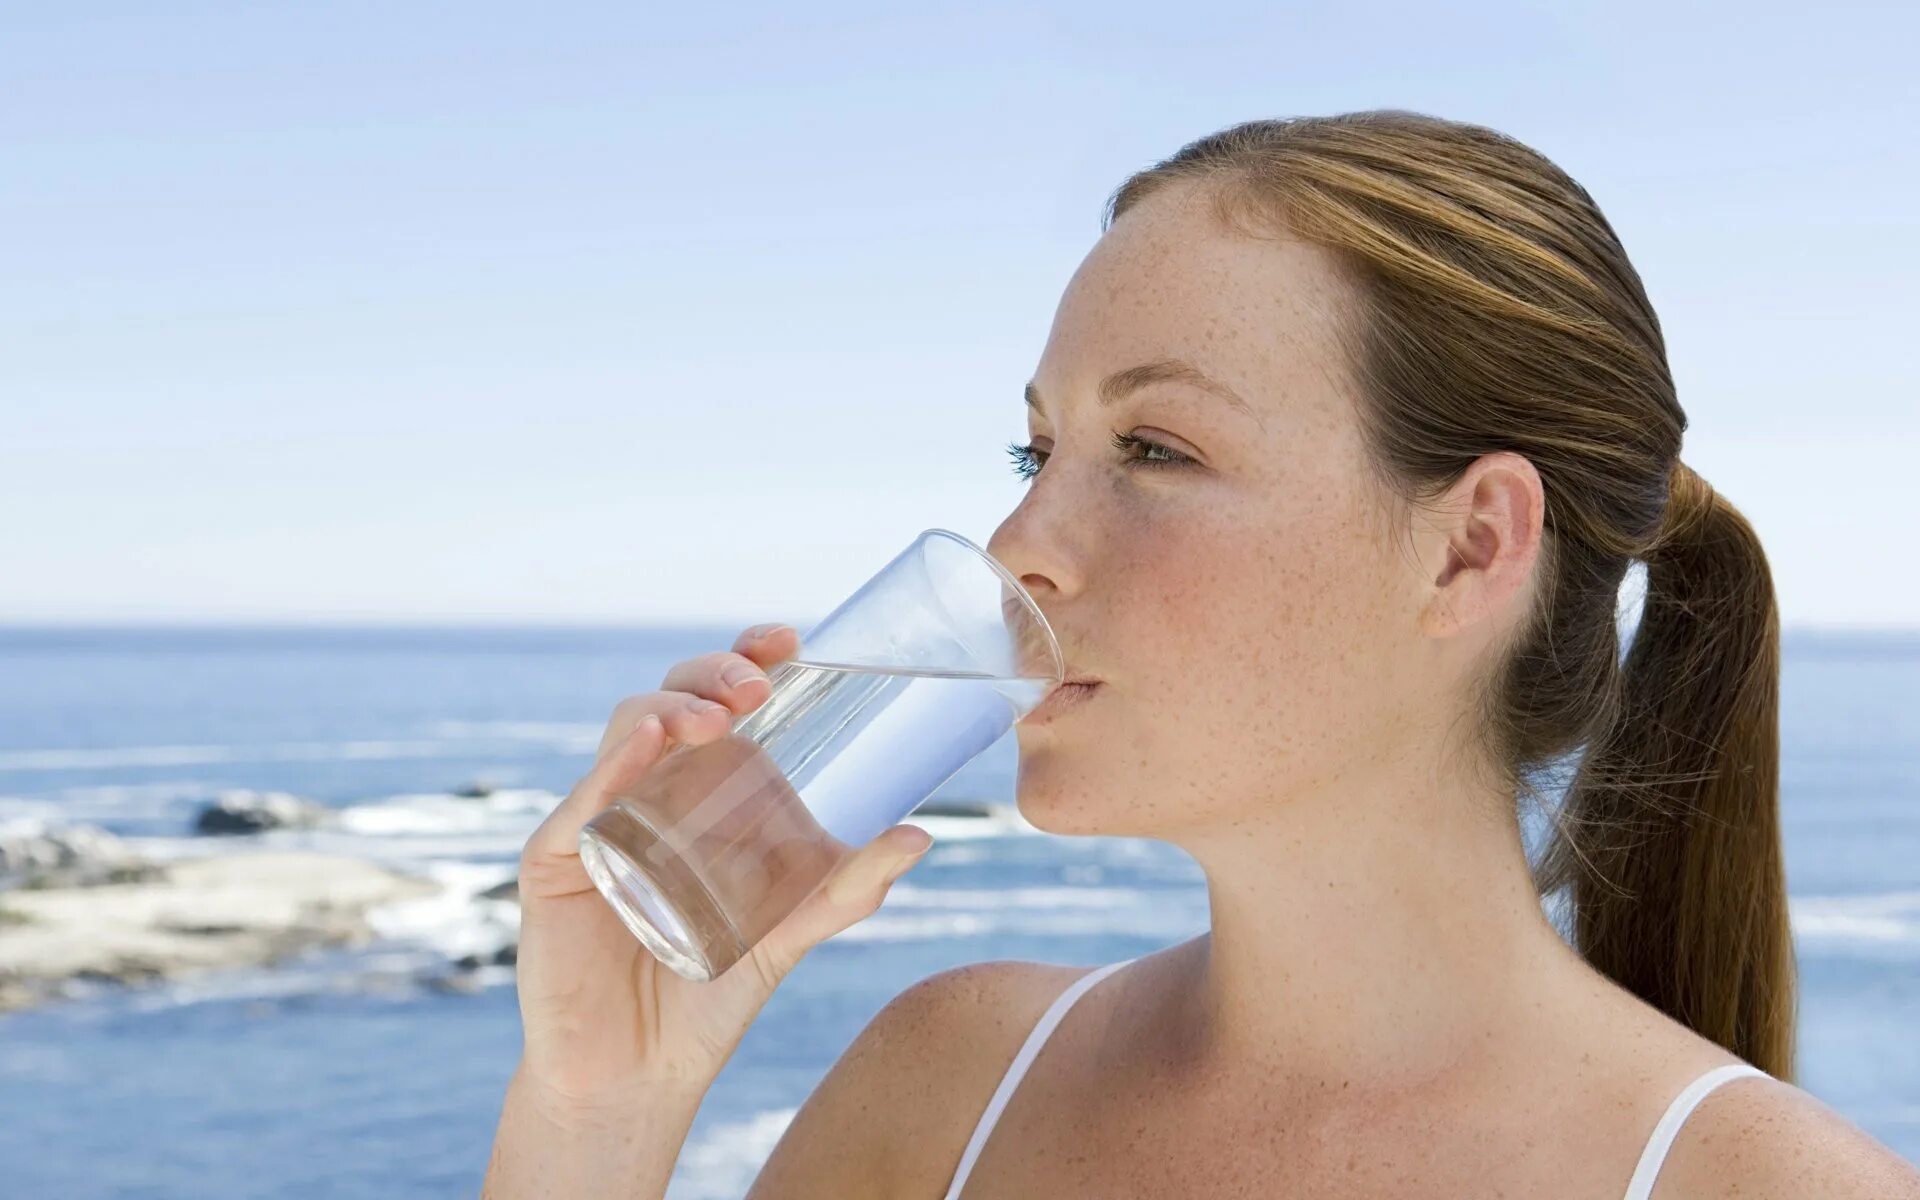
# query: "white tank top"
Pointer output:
{"type": "Point", "coordinates": [1640, 1187]}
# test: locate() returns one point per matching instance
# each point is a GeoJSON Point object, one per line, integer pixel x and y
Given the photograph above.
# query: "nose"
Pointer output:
{"type": "Point", "coordinates": [1034, 544]}
{"type": "Point", "coordinates": [1027, 558]}
{"type": "Point", "coordinates": [1030, 545]}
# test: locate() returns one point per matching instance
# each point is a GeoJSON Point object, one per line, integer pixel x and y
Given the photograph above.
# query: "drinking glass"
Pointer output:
{"type": "Point", "coordinates": [930, 662]}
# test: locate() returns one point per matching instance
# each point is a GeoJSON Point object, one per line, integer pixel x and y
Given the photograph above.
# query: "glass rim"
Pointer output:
{"type": "Point", "coordinates": [1026, 597]}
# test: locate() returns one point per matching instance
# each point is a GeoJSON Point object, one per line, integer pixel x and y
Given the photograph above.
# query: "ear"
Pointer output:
{"type": "Point", "coordinates": [1481, 546]}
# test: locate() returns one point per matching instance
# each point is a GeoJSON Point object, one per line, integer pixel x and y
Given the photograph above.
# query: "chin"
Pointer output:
{"type": "Point", "coordinates": [1059, 801]}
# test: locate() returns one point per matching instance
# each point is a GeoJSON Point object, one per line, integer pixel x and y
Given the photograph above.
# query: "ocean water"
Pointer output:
{"type": "Point", "coordinates": [340, 1075]}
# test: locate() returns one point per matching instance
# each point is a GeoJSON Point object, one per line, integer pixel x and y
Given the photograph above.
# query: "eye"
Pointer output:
{"type": "Point", "coordinates": [1028, 459]}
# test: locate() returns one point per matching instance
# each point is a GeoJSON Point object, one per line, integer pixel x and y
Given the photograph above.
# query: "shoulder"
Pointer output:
{"type": "Point", "coordinates": [991, 993]}
{"type": "Point", "coordinates": [896, 1108]}
{"type": "Point", "coordinates": [1765, 1138]}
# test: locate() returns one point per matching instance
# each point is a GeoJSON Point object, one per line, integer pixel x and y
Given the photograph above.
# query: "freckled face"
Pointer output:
{"type": "Point", "coordinates": [1246, 609]}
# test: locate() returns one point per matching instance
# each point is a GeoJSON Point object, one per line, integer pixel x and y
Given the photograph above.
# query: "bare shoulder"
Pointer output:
{"type": "Point", "coordinates": [1763, 1139]}
{"type": "Point", "coordinates": [895, 1110]}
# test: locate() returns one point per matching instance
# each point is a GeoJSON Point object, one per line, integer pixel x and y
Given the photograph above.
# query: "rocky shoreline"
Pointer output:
{"type": "Point", "coordinates": [172, 920]}
{"type": "Point", "coordinates": [80, 908]}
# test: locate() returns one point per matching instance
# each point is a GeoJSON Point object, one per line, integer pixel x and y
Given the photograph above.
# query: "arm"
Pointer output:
{"type": "Point", "coordinates": [1770, 1140]}
{"type": "Point", "coordinates": [548, 1146]}
{"type": "Point", "coordinates": [618, 1050]}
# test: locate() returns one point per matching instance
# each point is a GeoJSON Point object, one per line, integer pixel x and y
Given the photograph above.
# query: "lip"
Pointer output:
{"type": "Point", "coordinates": [1070, 695]}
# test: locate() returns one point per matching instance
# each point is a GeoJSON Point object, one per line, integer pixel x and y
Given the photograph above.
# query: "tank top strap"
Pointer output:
{"type": "Point", "coordinates": [1030, 1049]}
{"type": "Point", "coordinates": [1654, 1156]}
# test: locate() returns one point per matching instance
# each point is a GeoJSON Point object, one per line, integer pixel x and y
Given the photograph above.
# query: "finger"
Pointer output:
{"type": "Point", "coordinates": [559, 834]}
{"type": "Point", "coordinates": [736, 678]}
{"type": "Point", "coordinates": [696, 719]}
{"type": "Point", "coordinates": [681, 712]}
{"type": "Point", "coordinates": [767, 644]}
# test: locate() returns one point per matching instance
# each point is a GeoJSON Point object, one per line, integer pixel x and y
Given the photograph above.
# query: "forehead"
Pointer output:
{"type": "Point", "coordinates": [1166, 280]}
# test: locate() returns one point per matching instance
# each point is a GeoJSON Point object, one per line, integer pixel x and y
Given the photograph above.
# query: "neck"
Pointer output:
{"type": "Point", "coordinates": [1385, 932]}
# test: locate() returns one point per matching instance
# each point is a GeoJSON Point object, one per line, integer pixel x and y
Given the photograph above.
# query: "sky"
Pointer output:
{"type": "Point", "coordinates": [625, 313]}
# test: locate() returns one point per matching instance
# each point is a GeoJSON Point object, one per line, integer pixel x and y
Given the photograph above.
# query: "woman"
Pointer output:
{"type": "Point", "coordinates": [1345, 434]}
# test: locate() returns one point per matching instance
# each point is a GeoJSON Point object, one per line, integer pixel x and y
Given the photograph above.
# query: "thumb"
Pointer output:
{"type": "Point", "coordinates": [853, 891]}
{"type": "Point", "coordinates": [870, 872]}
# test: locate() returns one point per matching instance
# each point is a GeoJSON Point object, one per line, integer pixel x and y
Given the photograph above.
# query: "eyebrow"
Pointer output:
{"type": "Point", "coordinates": [1121, 384]}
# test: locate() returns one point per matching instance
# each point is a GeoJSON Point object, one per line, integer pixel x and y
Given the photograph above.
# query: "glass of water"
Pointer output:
{"type": "Point", "coordinates": [930, 662]}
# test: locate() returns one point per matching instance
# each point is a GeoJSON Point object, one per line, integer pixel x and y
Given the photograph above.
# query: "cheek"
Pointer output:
{"type": "Point", "coordinates": [1243, 623]}
{"type": "Point", "coordinates": [1235, 595]}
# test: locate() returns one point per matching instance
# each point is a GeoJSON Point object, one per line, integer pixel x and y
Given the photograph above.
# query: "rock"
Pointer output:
{"type": "Point", "coordinates": [509, 890]}
{"type": "Point", "coordinates": [463, 975]}
{"type": "Point", "coordinates": [505, 956]}
{"type": "Point", "coordinates": [461, 983]}
{"type": "Point", "coordinates": [121, 971]}
{"type": "Point", "coordinates": [479, 789]}
{"type": "Point", "coordinates": [34, 854]}
{"type": "Point", "coordinates": [222, 911]}
{"type": "Point", "coordinates": [954, 808]}
{"type": "Point", "coordinates": [241, 811]}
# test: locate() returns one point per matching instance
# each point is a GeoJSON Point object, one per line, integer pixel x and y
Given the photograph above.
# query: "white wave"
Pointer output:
{"type": "Point", "coordinates": [146, 799]}
{"type": "Point", "coordinates": [956, 855]}
{"type": "Point", "coordinates": [358, 750]}
{"type": "Point", "coordinates": [1171, 916]}
{"type": "Point", "coordinates": [1885, 918]}
{"type": "Point", "coordinates": [578, 735]}
{"type": "Point", "coordinates": [456, 921]}
{"type": "Point", "coordinates": [29, 808]}
{"type": "Point", "coordinates": [722, 1159]}
{"type": "Point", "coordinates": [1036, 898]}
{"type": "Point", "coordinates": [440, 812]}
{"type": "Point", "coordinates": [403, 853]}
{"type": "Point", "coordinates": [1000, 821]}
{"type": "Point", "coordinates": [912, 912]}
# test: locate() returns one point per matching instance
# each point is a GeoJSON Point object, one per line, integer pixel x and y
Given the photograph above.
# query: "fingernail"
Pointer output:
{"type": "Point", "coordinates": [705, 706]}
{"type": "Point", "coordinates": [740, 674]}
{"type": "Point", "coordinates": [645, 725]}
{"type": "Point", "coordinates": [767, 630]}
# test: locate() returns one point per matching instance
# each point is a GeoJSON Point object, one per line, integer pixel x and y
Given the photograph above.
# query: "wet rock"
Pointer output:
{"type": "Point", "coordinates": [461, 983]}
{"type": "Point", "coordinates": [505, 956]}
{"type": "Point", "coordinates": [34, 854]}
{"type": "Point", "coordinates": [242, 812]}
{"type": "Point", "coordinates": [509, 890]}
{"type": "Point", "coordinates": [944, 807]}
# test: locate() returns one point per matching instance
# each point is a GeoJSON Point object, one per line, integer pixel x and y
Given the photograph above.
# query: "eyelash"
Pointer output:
{"type": "Point", "coordinates": [1026, 468]}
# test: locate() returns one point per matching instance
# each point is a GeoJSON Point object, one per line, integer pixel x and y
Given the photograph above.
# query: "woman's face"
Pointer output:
{"type": "Point", "coordinates": [1243, 602]}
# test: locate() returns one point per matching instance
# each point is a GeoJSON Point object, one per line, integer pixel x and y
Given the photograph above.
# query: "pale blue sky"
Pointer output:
{"type": "Point", "coordinates": [614, 312]}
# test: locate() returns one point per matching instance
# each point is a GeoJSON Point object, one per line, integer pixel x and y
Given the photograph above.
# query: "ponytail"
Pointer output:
{"type": "Point", "coordinates": [1668, 840]}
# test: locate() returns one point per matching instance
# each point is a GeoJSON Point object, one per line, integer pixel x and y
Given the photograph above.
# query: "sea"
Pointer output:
{"type": "Point", "coordinates": [347, 1073]}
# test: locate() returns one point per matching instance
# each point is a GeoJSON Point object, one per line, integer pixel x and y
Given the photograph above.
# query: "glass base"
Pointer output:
{"type": "Point", "coordinates": [642, 906]}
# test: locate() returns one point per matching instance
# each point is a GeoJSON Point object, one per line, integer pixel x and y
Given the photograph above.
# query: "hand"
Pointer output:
{"type": "Point", "coordinates": [605, 1023]}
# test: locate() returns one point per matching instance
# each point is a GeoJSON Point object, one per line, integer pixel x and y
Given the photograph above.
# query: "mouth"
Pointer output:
{"type": "Point", "coordinates": [1072, 692]}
